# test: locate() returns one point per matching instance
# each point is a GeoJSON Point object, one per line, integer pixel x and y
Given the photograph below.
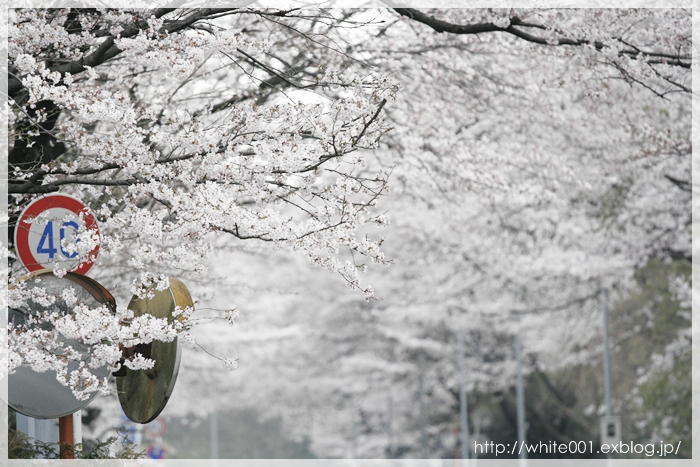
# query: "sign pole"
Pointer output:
{"type": "Point", "coordinates": [78, 430]}
{"type": "Point", "coordinates": [65, 437]}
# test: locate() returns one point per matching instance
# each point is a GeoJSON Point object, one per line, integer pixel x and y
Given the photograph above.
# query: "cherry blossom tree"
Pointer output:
{"type": "Point", "coordinates": [165, 123]}
{"type": "Point", "coordinates": [518, 192]}
{"type": "Point", "coordinates": [534, 157]}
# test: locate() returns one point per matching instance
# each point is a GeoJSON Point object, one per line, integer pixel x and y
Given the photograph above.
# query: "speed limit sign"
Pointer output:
{"type": "Point", "coordinates": [46, 236]}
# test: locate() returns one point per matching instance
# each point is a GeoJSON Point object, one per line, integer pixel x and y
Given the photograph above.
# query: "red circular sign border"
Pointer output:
{"type": "Point", "coordinates": [40, 205]}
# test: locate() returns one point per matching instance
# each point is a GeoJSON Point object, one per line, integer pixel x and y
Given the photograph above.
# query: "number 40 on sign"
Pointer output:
{"type": "Point", "coordinates": [46, 234]}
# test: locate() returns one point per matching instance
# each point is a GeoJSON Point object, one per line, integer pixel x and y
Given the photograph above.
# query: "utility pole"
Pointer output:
{"type": "Point", "coordinates": [477, 436]}
{"type": "Point", "coordinates": [520, 400]}
{"type": "Point", "coordinates": [353, 410]}
{"type": "Point", "coordinates": [463, 413]}
{"type": "Point", "coordinates": [214, 437]}
{"type": "Point", "coordinates": [606, 368]}
{"type": "Point", "coordinates": [606, 358]}
{"type": "Point", "coordinates": [390, 429]}
{"type": "Point", "coordinates": [423, 440]}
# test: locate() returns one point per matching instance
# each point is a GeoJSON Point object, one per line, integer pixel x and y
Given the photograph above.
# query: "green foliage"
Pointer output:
{"type": "Point", "coordinates": [96, 449]}
{"type": "Point", "coordinates": [555, 405]}
{"type": "Point", "coordinates": [608, 206]}
{"type": "Point", "coordinates": [654, 401]}
{"type": "Point", "coordinates": [666, 399]}
{"type": "Point", "coordinates": [21, 446]}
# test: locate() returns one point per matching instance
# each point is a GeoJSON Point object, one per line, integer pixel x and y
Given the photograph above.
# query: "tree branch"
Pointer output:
{"type": "Point", "coordinates": [371, 120]}
{"type": "Point", "coordinates": [683, 61]}
{"type": "Point", "coordinates": [682, 184]}
{"type": "Point", "coordinates": [107, 50]}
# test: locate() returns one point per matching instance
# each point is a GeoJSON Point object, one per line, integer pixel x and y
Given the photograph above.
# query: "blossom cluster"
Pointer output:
{"type": "Point", "coordinates": [57, 325]}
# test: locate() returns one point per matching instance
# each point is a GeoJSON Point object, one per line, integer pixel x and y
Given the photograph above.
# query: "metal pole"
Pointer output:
{"type": "Point", "coordinates": [520, 400]}
{"type": "Point", "coordinates": [214, 436]}
{"type": "Point", "coordinates": [423, 440]}
{"type": "Point", "coordinates": [78, 430]}
{"type": "Point", "coordinates": [65, 437]}
{"type": "Point", "coordinates": [353, 410]}
{"type": "Point", "coordinates": [390, 431]}
{"type": "Point", "coordinates": [477, 435]}
{"type": "Point", "coordinates": [606, 360]}
{"type": "Point", "coordinates": [463, 414]}
{"type": "Point", "coordinates": [310, 411]}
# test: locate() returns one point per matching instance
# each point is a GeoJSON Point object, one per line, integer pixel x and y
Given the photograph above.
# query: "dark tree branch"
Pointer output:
{"type": "Point", "coordinates": [683, 61]}
{"type": "Point", "coordinates": [274, 72]}
{"type": "Point", "coordinates": [28, 187]}
{"type": "Point", "coordinates": [107, 50]}
{"type": "Point", "coordinates": [682, 184]}
{"type": "Point", "coordinates": [678, 254]}
{"type": "Point", "coordinates": [371, 120]}
{"type": "Point", "coordinates": [236, 233]}
{"type": "Point", "coordinates": [444, 26]}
